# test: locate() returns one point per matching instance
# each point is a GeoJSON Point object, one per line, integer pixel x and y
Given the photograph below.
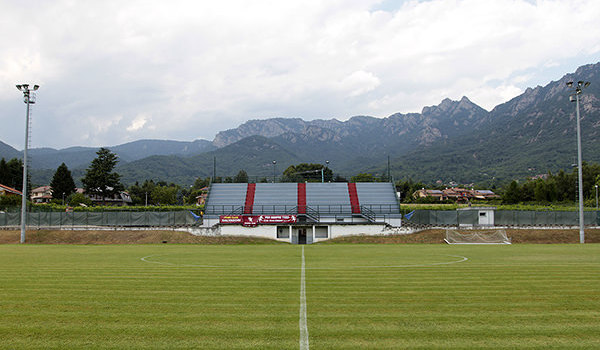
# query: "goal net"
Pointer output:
{"type": "Point", "coordinates": [493, 237]}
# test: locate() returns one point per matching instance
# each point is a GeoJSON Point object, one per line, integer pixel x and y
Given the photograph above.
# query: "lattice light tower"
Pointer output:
{"type": "Point", "coordinates": [574, 97]}
{"type": "Point", "coordinates": [28, 98]}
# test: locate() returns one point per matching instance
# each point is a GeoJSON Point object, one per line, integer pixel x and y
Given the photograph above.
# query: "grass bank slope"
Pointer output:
{"type": "Point", "coordinates": [540, 236]}
{"type": "Point", "coordinates": [122, 237]}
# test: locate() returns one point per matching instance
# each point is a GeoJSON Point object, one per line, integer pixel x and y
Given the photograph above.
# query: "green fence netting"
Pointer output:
{"type": "Point", "coordinates": [112, 218]}
{"type": "Point", "coordinates": [185, 218]}
{"type": "Point", "coordinates": [504, 218]}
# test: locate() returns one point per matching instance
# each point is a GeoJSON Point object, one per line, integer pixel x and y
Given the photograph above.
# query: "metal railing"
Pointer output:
{"type": "Point", "coordinates": [367, 213]}
{"type": "Point", "coordinates": [371, 209]}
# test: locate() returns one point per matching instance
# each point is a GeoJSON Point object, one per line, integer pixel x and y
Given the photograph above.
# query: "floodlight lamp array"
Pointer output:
{"type": "Point", "coordinates": [578, 89]}
{"type": "Point", "coordinates": [28, 95]}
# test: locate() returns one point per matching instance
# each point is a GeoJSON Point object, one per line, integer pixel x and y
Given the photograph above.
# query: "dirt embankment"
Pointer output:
{"type": "Point", "coordinates": [120, 237]}
{"type": "Point", "coordinates": [151, 237]}
{"type": "Point", "coordinates": [539, 236]}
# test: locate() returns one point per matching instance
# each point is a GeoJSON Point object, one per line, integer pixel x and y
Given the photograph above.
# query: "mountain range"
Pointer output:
{"type": "Point", "coordinates": [458, 141]}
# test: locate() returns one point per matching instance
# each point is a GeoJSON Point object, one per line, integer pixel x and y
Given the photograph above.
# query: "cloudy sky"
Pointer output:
{"type": "Point", "coordinates": [117, 71]}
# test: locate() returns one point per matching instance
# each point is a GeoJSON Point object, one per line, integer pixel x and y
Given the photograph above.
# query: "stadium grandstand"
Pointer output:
{"type": "Point", "coordinates": [302, 212]}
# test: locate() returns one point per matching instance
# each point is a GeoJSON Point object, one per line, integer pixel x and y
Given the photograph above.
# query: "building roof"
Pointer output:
{"type": "Point", "coordinates": [485, 192]}
{"type": "Point", "coordinates": [10, 189]}
{"type": "Point", "coordinates": [41, 189]}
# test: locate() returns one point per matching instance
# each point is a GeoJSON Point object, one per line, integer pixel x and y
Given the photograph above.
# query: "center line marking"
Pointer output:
{"type": "Point", "coordinates": [303, 325]}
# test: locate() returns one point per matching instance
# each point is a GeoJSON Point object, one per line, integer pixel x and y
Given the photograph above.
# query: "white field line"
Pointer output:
{"type": "Point", "coordinates": [147, 260]}
{"type": "Point", "coordinates": [302, 322]}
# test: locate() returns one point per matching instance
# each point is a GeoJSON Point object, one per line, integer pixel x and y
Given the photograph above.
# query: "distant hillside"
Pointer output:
{"type": "Point", "coordinates": [7, 152]}
{"type": "Point", "coordinates": [76, 157]}
{"type": "Point", "coordinates": [253, 154]}
{"type": "Point", "coordinates": [145, 148]}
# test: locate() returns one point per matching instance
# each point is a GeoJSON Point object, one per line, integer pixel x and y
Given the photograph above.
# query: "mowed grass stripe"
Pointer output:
{"type": "Point", "coordinates": [460, 306]}
{"type": "Point", "coordinates": [108, 298]}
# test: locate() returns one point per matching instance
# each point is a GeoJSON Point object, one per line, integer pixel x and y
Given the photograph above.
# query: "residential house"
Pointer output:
{"type": "Point", "coordinates": [201, 199]}
{"type": "Point", "coordinates": [42, 194]}
{"type": "Point", "coordinates": [9, 191]}
{"type": "Point", "coordinates": [485, 194]}
{"type": "Point", "coordinates": [423, 193]}
{"type": "Point", "coordinates": [456, 193]}
{"type": "Point", "coordinates": [120, 199]}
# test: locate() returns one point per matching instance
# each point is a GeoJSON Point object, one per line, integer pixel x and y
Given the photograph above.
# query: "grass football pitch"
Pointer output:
{"type": "Point", "coordinates": [248, 296]}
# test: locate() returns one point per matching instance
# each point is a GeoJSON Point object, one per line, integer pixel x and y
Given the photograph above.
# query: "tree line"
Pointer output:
{"type": "Point", "coordinates": [555, 188]}
{"type": "Point", "coordinates": [11, 173]}
{"type": "Point", "coordinates": [100, 180]}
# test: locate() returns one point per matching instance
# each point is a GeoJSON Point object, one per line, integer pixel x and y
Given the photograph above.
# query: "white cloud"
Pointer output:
{"type": "Point", "coordinates": [198, 67]}
{"type": "Point", "coordinates": [138, 123]}
{"type": "Point", "coordinates": [359, 82]}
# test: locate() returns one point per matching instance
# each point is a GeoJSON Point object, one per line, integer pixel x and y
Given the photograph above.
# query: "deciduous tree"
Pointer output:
{"type": "Point", "coordinates": [307, 172]}
{"type": "Point", "coordinates": [241, 177]}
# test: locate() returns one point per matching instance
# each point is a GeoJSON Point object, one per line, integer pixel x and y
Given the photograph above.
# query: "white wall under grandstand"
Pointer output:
{"type": "Point", "coordinates": [292, 233]}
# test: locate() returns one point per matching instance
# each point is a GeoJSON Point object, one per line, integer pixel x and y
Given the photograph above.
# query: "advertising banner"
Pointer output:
{"type": "Point", "coordinates": [230, 219]}
{"type": "Point", "coordinates": [277, 219]}
{"type": "Point", "coordinates": [250, 221]}
{"type": "Point", "coordinates": [253, 220]}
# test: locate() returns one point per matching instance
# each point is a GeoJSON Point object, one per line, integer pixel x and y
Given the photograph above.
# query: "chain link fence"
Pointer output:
{"type": "Point", "coordinates": [108, 218]}
{"type": "Point", "coordinates": [504, 218]}
{"type": "Point", "coordinates": [186, 218]}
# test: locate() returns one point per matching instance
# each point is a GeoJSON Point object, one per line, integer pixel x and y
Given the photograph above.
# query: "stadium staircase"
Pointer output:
{"type": "Point", "coordinates": [237, 211]}
{"type": "Point", "coordinates": [302, 198]}
{"type": "Point", "coordinates": [304, 212]}
{"type": "Point", "coordinates": [311, 214]}
{"type": "Point", "coordinates": [354, 203]}
{"type": "Point", "coordinates": [367, 213]}
{"type": "Point", "coordinates": [249, 198]}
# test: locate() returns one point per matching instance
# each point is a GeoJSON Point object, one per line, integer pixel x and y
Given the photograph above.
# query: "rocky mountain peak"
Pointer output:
{"type": "Point", "coordinates": [448, 106]}
{"type": "Point", "coordinates": [268, 128]}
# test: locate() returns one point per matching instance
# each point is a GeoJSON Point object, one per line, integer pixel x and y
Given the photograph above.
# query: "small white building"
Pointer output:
{"type": "Point", "coordinates": [485, 215]}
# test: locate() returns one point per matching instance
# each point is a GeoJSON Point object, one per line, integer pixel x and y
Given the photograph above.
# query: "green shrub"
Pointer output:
{"type": "Point", "coordinates": [78, 198]}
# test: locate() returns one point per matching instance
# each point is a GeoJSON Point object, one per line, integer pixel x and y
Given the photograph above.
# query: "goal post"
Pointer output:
{"type": "Point", "coordinates": [492, 237]}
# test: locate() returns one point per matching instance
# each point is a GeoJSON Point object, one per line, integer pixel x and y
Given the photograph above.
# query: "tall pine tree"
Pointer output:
{"type": "Point", "coordinates": [62, 182]}
{"type": "Point", "coordinates": [99, 179]}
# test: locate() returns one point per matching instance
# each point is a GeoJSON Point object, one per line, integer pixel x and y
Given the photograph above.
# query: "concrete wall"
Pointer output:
{"type": "Point", "coordinates": [287, 233]}
{"type": "Point", "coordinates": [354, 230]}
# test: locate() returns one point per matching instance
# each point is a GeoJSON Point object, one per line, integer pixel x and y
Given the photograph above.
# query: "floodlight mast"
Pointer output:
{"type": "Point", "coordinates": [28, 98]}
{"type": "Point", "coordinates": [322, 174]}
{"type": "Point", "coordinates": [574, 97]}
